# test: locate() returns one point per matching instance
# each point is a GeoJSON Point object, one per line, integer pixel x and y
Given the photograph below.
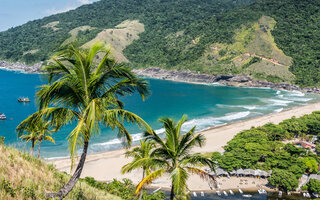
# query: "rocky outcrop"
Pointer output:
{"type": "Point", "coordinates": [229, 80]}
{"type": "Point", "coordinates": [20, 67]}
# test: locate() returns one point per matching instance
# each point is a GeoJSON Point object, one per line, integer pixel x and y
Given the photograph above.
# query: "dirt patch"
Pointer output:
{"type": "Point", "coordinates": [52, 25]}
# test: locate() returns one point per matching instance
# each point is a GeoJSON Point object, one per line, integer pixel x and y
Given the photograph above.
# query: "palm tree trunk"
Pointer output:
{"type": "Point", "coordinates": [32, 147]}
{"type": "Point", "coordinates": [141, 192]}
{"type": "Point", "coordinates": [68, 187]}
{"type": "Point", "coordinates": [172, 192]}
{"type": "Point", "coordinates": [39, 150]}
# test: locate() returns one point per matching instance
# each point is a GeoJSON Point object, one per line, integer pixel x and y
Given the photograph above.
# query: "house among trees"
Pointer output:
{"type": "Point", "coordinates": [306, 145]}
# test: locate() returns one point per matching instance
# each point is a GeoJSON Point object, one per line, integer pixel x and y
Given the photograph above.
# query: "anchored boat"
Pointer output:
{"type": "Point", "coordinates": [2, 116]}
{"type": "Point", "coordinates": [23, 100]}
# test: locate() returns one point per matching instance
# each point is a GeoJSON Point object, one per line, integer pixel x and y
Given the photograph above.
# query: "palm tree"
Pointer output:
{"type": "Point", "coordinates": [38, 132]}
{"type": "Point", "coordinates": [177, 161]}
{"type": "Point", "coordinates": [142, 159]}
{"type": "Point", "coordinates": [85, 89]}
{"type": "Point", "coordinates": [30, 137]}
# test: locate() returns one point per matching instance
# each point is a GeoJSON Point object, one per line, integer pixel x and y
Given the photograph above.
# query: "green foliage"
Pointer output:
{"type": "Point", "coordinates": [124, 189]}
{"type": "Point", "coordinates": [252, 61]}
{"type": "Point", "coordinates": [313, 186]}
{"type": "Point", "coordinates": [262, 147]}
{"type": "Point", "coordinates": [203, 23]}
{"type": "Point", "coordinates": [311, 164]}
{"type": "Point", "coordinates": [7, 187]}
{"type": "Point", "coordinates": [2, 140]}
{"type": "Point", "coordinates": [283, 180]}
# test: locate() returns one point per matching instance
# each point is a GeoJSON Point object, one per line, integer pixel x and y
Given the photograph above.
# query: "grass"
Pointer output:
{"type": "Point", "coordinates": [118, 38]}
{"type": "Point", "coordinates": [22, 176]}
{"type": "Point", "coordinates": [74, 34]}
{"type": "Point", "coordinates": [250, 41]}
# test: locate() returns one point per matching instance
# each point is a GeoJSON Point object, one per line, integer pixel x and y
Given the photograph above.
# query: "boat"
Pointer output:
{"type": "Point", "coordinates": [240, 191]}
{"type": "Point", "coordinates": [194, 194]}
{"type": "Point", "coordinates": [2, 116]}
{"type": "Point", "coordinates": [231, 192]}
{"type": "Point", "coordinates": [308, 195]}
{"type": "Point", "coordinates": [23, 100]}
{"type": "Point", "coordinates": [247, 195]}
{"type": "Point", "coordinates": [202, 194]}
{"type": "Point", "coordinates": [225, 193]}
{"type": "Point", "coordinates": [316, 195]}
{"type": "Point", "coordinates": [218, 193]}
{"type": "Point", "coordinates": [262, 191]}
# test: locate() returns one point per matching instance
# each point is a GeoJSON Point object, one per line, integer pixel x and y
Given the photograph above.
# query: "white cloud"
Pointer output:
{"type": "Point", "coordinates": [84, 2]}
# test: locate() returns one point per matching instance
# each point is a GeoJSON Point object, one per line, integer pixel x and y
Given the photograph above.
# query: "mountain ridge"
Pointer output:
{"type": "Point", "coordinates": [179, 35]}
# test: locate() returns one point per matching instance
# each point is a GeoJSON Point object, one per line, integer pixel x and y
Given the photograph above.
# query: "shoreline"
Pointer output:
{"type": "Point", "coordinates": [106, 165]}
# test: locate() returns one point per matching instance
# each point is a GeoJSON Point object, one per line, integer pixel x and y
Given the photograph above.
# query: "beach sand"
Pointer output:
{"type": "Point", "coordinates": [106, 166]}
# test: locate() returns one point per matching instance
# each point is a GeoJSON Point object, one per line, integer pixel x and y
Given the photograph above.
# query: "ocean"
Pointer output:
{"type": "Point", "coordinates": [205, 105]}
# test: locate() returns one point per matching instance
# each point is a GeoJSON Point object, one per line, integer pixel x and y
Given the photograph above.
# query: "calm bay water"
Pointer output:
{"type": "Point", "coordinates": [205, 105]}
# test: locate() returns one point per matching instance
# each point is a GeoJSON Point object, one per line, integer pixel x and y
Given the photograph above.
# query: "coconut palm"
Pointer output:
{"type": "Point", "coordinates": [38, 132]}
{"type": "Point", "coordinates": [176, 158]}
{"type": "Point", "coordinates": [85, 89]}
{"type": "Point", "coordinates": [142, 159]}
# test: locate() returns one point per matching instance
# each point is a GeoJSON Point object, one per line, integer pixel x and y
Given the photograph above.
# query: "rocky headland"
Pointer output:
{"type": "Point", "coordinates": [21, 67]}
{"type": "Point", "coordinates": [228, 80]}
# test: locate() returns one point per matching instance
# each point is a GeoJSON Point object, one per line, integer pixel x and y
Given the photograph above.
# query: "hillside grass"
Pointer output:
{"type": "Point", "coordinates": [253, 40]}
{"type": "Point", "coordinates": [22, 176]}
{"type": "Point", "coordinates": [118, 38]}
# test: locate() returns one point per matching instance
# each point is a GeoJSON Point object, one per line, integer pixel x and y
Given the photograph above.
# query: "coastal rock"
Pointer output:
{"type": "Point", "coordinates": [230, 80]}
{"type": "Point", "coordinates": [20, 67]}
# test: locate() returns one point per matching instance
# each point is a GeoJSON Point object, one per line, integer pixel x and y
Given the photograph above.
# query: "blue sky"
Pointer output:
{"type": "Point", "coordinates": [16, 12]}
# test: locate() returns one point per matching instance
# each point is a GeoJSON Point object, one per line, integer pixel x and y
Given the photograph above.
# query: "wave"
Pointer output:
{"type": "Point", "coordinates": [278, 102]}
{"type": "Point", "coordinates": [278, 110]}
{"type": "Point", "coordinates": [237, 106]}
{"type": "Point", "coordinates": [278, 92]}
{"type": "Point", "coordinates": [296, 93]}
{"type": "Point", "coordinates": [297, 99]}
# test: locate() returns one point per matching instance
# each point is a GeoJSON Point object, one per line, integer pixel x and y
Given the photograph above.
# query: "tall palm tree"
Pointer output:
{"type": "Point", "coordinates": [38, 132]}
{"type": "Point", "coordinates": [174, 153]}
{"type": "Point", "coordinates": [142, 159]}
{"type": "Point", "coordinates": [85, 89]}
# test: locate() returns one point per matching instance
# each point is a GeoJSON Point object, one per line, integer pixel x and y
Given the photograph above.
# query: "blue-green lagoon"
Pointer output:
{"type": "Point", "coordinates": [205, 105]}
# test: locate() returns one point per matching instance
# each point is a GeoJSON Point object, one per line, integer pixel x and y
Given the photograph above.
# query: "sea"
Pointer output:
{"type": "Point", "coordinates": [206, 106]}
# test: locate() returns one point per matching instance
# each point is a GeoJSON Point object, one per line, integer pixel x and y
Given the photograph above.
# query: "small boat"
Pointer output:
{"type": "Point", "coordinates": [225, 193]}
{"type": "Point", "coordinates": [308, 195]}
{"type": "Point", "coordinates": [195, 194]}
{"type": "Point", "coordinates": [247, 195]}
{"type": "Point", "coordinates": [280, 193]}
{"type": "Point", "coordinates": [240, 191]}
{"type": "Point", "coordinates": [262, 191]}
{"type": "Point", "coordinates": [218, 193]}
{"type": "Point", "coordinates": [231, 192]}
{"type": "Point", "coordinates": [202, 194]}
{"type": "Point", "coordinates": [23, 100]}
{"type": "Point", "coordinates": [2, 116]}
{"type": "Point", "coordinates": [316, 195]}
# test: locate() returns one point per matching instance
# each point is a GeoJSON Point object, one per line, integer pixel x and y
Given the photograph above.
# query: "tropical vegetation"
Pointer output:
{"type": "Point", "coordinates": [185, 34]}
{"type": "Point", "coordinates": [173, 157]}
{"type": "Point", "coordinates": [85, 89]}
{"type": "Point", "coordinates": [142, 159]}
{"type": "Point", "coordinates": [267, 148]}
{"type": "Point", "coordinates": [37, 132]}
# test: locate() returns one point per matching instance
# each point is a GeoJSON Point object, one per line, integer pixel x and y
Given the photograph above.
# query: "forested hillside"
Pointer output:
{"type": "Point", "coordinates": [267, 39]}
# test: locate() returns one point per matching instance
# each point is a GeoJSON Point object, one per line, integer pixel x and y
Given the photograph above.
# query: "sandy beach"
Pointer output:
{"type": "Point", "coordinates": [106, 166]}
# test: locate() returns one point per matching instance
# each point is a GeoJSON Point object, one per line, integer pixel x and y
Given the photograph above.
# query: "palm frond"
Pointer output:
{"type": "Point", "coordinates": [148, 179]}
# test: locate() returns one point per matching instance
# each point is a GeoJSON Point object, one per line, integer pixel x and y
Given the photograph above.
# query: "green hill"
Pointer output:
{"type": "Point", "coordinates": [211, 36]}
{"type": "Point", "coordinates": [24, 177]}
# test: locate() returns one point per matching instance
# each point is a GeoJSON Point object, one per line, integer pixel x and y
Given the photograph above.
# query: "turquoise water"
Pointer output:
{"type": "Point", "coordinates": [205, 105]}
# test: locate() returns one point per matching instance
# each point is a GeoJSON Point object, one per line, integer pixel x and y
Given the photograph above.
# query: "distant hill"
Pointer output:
{"type": "Point", "coordinates": [24, 177]}
{"type": "Point", "coordinates": [270, 40]}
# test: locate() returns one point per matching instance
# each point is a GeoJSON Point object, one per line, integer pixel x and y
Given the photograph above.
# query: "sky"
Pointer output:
{"type": "Point", "coordinates": [17, 12]}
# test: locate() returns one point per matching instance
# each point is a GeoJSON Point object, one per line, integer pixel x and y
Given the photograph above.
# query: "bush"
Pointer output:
{"type": "Point", "coordinates": [283, 180]}
{"type": "Point", "coordinates": [313, 186]}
